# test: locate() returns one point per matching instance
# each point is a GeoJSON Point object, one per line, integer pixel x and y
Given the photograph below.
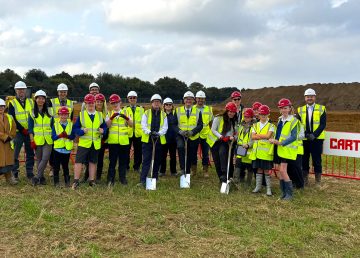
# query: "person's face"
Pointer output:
{"type": "Point", "coordinates": [256, 112]}
{"type": "Point", "coordinates": [20, 93]}
{"type": "Point", "coordinates": [99, 105]}
{"type": "Point", "coordinates": [94, 90]}
{"type": "Point", "coordinates": [188, 101]}
{"type": "Point", "coordinates": [237, 101]}
{"type": "Point", "coordinates": [62, 94]}
{"type": "Point", "coordinates": [156, 104]}
{"type": "Point", "coordinates": [200, 101]}
{"type": "Point", "coordinates": [90, 106]}
{"type": "Point", "coordinates": [231, 114]}
{"type": "Point", "coordinates": [310, 100]}
{"type": "Point", "coordinates": [132, 100]}
{"type": "Point", "coordinates": [40, 100]}
{"type": "Point", "coordinates": [115, 105]}
{"type": "Point", "coordinates": [247, 119]}
{"type": "Point", "coordinates": [2, 109]}
{"type": "Point", "coordinates": [168, 107]}
{"type": "Point", "coordinates": [285, 111]}
{"type": "Point", "coordinates": [64, 117]}
{"type": "Point", "coordinates": [263, 118]}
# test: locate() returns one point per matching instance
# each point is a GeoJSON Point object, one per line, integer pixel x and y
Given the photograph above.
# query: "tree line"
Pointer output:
{"type": "Point", "coordinates": [109, 84]}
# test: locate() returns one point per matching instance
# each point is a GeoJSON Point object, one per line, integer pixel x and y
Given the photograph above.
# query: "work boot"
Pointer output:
{"type": "Point", "coordinates": [206, 171]}
{"type": "Point", "coordinates": [259, 178]}
{"type": "Point", "coordinates": [10, 179]}
{"type": "Point", "coordinates": [306, 178]}
{"type": "Point", "coordinates": [237, 175]}
{"type": "Point", "coordinates": [249, 178]}
{"type": "Point", "coordinates": [268, 185]}
{"type": "Point", "coordinates": [288, 191]}
{"type": "Point", "coordinates": [193, 170]}
{"type": "Point", "coordinates": [317, 179]}
{"type": "Point", "coordinates": [283, 189]}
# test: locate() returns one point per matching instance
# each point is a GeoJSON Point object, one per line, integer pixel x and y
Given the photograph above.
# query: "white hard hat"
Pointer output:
{"type": "Point", "coordinates": [310, 92]}
{"type": "Point", "coordinates": [155, 97]}
{"type": "Point", "coordinates": [200, 94]}
{"type": "Point", "coordinates": [62, 86]}
{"type": "Point", "coordinates": [132, 94]}
{"type": "Point", "coordinates": [40, 93]}
{"type": "Point", "coordinates": [2, 102]}
{"type": "Point", "coordinates": [20, 85]}
{"type": "Point", "coordinates": [168, 100]}
{"type": "Point", "coordinates": [189, 94]}
{"type": "Point", "coordinates": [94, 84]}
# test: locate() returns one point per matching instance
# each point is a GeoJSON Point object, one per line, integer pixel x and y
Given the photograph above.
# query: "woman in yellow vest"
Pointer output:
{"type": "Point", "coordinates": [63, 135]}
{"type": "Point", "coordinates": [223, 130]}
{"type": "Point", "coordinates": [7, 134]}
{"type": "Point", "coordinates": [286, 148]}
{"type": "Point", "coordinates": [262, 152]}
{"type": "Point", "coordinates": [244, 148]}
{"type": "Point", "coordinates": [118, 140]}
{"type": "Point", "coordinates": [40, 124]}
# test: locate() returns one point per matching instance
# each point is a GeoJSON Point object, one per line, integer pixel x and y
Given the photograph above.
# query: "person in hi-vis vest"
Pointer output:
{"type": "Point", "coordinates": [313, 118]}
{"type": "Point", "coordinates": [118, 140]}
{"type": "Point", "coordinates": [89, 126]}
{"type": "Point", "coordinates": [63, 134]}
{"type": "Point", "coordinates": [20, 108]}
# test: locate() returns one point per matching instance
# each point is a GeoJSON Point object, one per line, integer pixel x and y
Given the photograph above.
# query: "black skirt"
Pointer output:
{"type": "Point", "coordinates": [262, 164]}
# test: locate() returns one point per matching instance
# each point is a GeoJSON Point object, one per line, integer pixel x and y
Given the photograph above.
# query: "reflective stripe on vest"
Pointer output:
{"type": "Point", "coordinates": [63, 142]}
{"type": "Point", "coordinates": [207, 115]}
{"type": "Point", "coordinates": [317, 112]}
{"type": "Point", "coordinates": [300, 141]}
{"type": "Point", "coordinates": [10, 119]}
{"type": "Point", "coordinates": [119, 131]}
{"type": "Point", "coordinates": [145, 137]}
{"type": "Point", "coordinates": [42, 130]}
{"type": "Point", "coordinates": [56, 106]}
{"type": "Point", "coordinates": [212, 138]}
{"type": "Point", "coordinates": [185, 123]}
{"type": "Point", "coordinates": [244, 139]}
{"type": "Point", "coordinates": [289, 151]}
{"type": "Point", "coordinates": [93, 135]}
{"type": "Point", "coordinates": [262, 149]}
{"type": "Point", "coordinates": [21, 114]}
{"type": "Point", "coordinates": [136, 118]}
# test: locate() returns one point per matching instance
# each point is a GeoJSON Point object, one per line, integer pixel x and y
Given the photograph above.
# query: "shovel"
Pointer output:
{"type": "Point", "coordinates": [225, 187]}
{"type": "Point", "coordinates": [185, 178]}
{"type": "Point", "coordinates": [150, 181]}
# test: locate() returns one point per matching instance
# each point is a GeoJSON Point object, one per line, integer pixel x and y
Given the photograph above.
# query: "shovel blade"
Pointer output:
{"type": "Point", "coordinates": [185, 181]}
{"type": "Point", "coordinates": [225, 187]}
{"type": "Point", "coordinates": [151, 184]}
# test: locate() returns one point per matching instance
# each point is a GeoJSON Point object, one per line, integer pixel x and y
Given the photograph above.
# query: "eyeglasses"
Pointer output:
{"type": "Point", "coordinates": [167, 104]}
{"type": "Point", "coordinates": [131, 97]}
{"type": "Point", "coordinates": [237, 99]}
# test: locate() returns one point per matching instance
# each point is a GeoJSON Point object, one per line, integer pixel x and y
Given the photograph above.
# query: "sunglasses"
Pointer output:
{"type": "Point", "coordinates": [237, 99]}
{"type": "Point", "coordinates": [166, 104]}
{"type": "Point", "coordinates": [131, 97]}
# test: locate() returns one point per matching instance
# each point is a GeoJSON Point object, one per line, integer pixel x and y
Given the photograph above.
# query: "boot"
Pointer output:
{"type": "Point", "coordinates": [206, 171]}
{"type": "Point", "coordinates": [193, 170]}
{"type": "Point", "coordinates": [259, 178]}
{"type": "Point", "coordinates": [306, 178]}
{"type": "Point", "coordinates": [283, 189]}
{"type": "Point", "coordinates": [288, 191]}
{"type": "Point", "coordinates": [317, 179]}
{"type": "Point", "coordinates": [10, 179]}
{"type": "Point", "coordinates": [249, 178]}
{"type": "Point", "coordinates": [237, 175]}
{"type": "Point", "coordinates": [75, 184]}
{"type": "Point", "coordinates": [67, 181]}
{"type": "Point", "coordinates": [268, 185]}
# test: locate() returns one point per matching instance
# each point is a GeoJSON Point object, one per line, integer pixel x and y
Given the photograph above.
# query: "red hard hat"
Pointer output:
{"type": "Point", "coordinates": [264, 110]}
{"type": "Point", "coordinates": [236, 94]}
{"type": "Point", "coordinates": [284, 103]}
{"type": "Point", "coordinates": [63, 111]}
{"type": "Point", "coordinates": [231, 107]}
{"type": "Point", "coordinates": [89, 99]}
{"type": "Point", "coordinates": [256, 105]}
{"type": "Point", "coordinates": [100, 97]}
{"type": "Point", "coordinates": [248, 112]}
{"type": "Point", "coordinates": [114, 98]}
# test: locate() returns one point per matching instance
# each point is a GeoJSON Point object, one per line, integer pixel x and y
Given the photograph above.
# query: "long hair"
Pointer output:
{"type": "Point", "coordinates": [229, 123]}
{"type": "Point", "coordinates": [45, 109]}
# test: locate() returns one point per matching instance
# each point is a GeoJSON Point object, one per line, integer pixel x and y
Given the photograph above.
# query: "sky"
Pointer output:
{"type": "Point", "coordinates": [221, 43]}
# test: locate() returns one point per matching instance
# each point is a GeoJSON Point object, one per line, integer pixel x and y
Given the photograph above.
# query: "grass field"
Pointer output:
{"type": "Point", "coordinates": [173, 222]}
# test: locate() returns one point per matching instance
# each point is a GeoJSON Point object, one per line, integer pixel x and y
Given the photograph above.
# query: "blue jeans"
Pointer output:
{"type": "Point", "coordinates": [19, 140]}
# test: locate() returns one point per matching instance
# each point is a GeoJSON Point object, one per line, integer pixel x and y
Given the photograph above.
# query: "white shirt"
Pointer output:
{"type": "Point", "coordinates": [310, 109]}
{"type": "Point", "coordinates": [162, 130]}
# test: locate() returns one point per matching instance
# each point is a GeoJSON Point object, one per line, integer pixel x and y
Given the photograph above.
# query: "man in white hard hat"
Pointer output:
{"type": "Point", "coordinates": [207, 117]}
{"type": "Point", "coordinates": [135, 113]}
{"type": "Point", "coordinates": [94, 89]}
{"type": "Point", "coordinates": [188, 124]}
{"type": "Point", "coordinates": [20, 108]}
{"type": "Point", "coordinates": [313, 118]}
{"type": "Point", "coordinates": [154, 126]}
{"type": "Point", "coordinates": [61, 101]}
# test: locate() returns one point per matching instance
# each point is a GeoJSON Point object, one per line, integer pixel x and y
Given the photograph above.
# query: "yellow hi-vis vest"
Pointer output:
{"type": "Point", "coordinates": [207, 115]}
{"type": "Point", "coordinates": [56, 106]}
{"type": "Point", "coordinates": [63, 142]}
{"type": "Point", "coordinates": [93, 135]}
{"type": "Point", "coordinates": [318, 111]}
{"type": "Point", "coordinates": [10, 119]}
{"type": "Point", "coordinates": [145, 137]}
{"type": "Point", "coordinates": [244, 139]}
{"type": "Point", "coordinates": [262, 149]}
{"type": "Point", "coordinates": [119, 131]}
{"type": "Point", "coordinates": [21, 114]}
{"type": "Point", "coordinates": [188, 124]}
{"type": "Point", "coordinates": [42, 129]}
{"type": "Point", "coordinates": [289, 151]}
{"type": "Point", "coordinates": [300, 141]}
{"type": "Point", "coordinates": [211, 137]}
{"type": "Point", "coordinates": [136, 118]}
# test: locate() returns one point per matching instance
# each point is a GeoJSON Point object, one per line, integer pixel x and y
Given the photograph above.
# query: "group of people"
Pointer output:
{"type": "Point", "coordinates": [48, 131]}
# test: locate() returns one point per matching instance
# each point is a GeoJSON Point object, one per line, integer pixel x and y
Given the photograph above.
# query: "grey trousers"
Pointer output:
{"type": "Point", "coordinates": [42, 157]}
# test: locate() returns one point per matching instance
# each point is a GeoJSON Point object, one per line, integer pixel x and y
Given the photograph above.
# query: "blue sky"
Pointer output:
{"type": "Point", "coordinates": [241, 43]}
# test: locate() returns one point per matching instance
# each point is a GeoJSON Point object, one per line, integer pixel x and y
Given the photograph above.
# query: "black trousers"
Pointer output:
{"type": "Point", "coordinates": [192, 146]}
{"type": "Point", "coordinates": [147, 155]}
{"type": "Point", "coordinates": [117, 153]}
{"type": "Point", "coordinates": [171, 149]}
{"type": "Point", "coordinates": [244, 167]}
{"type": "Point", "coordinates": [63, 160]}
{"type": "Point", "coordinates": [295, 172]}
{"type": "Point", "coordinates": [313, 148]}
{"type": "Point", "coordinates": [220, 152]}
{"type": "Point", "coordinates": [137, 145]}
